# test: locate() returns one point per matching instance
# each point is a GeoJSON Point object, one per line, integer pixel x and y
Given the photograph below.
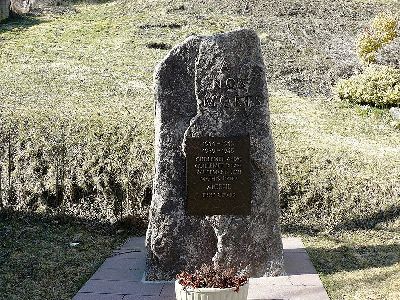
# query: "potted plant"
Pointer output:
{"type": "Point", "coordinates": [211, 283]}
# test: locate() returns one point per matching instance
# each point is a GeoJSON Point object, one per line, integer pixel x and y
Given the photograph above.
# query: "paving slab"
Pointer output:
{"type": "Point", "coordinates": [118, 274]}
{"type": "Point", "coordinates": [129, 297]}
{"type": "Point", "coordinates": [120, 277]}
{"type": "Point", "coordinates": [287, 293]}
{"type": "Point", "coordinates": [305, 279]}
{"type": "Point", "coordinates": [124, 263]}
{"type": "Point", "coordinates": [293, 244]}
{"type": "Point", "coordinates": [298, 263]}
{"type": "Point", "coordinates": [120, 287]}
{"type": "Point", "coordinates": [93, 296]}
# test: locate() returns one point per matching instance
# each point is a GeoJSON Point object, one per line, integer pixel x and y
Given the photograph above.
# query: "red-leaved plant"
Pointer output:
{"type": "Point", "coordinates": [209, 276]}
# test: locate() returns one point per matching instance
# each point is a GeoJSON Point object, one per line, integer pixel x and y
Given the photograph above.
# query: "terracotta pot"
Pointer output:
{"type": "Point", "coordinates": [210, 293]}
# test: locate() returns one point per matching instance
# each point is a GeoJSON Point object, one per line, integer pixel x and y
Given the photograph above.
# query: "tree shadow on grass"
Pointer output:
{"type": "Point", "coordinates": [312, 227]}
{"type": "Point", "coordinates": [296, 228]}
{"type": "Point", "coordinates": [130, 225]}
{"type": "Point", "coordinates": [345, 258]}
{"type": "Point", "coordinates": [369, 222]}
{"type": "Point", "coordinates": [19, 22]}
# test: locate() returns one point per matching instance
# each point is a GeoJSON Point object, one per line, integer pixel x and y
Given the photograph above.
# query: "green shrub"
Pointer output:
{"type": "Point", "coordinates": [382, 31]}
{"type": "Point", "coordinates": [377, 86]}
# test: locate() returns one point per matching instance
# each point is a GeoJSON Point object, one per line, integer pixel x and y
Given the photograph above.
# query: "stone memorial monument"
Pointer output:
{"type": "Point", "coordinates": [215, 193]}
{"type": "Point", "coordinates": [4, 9]}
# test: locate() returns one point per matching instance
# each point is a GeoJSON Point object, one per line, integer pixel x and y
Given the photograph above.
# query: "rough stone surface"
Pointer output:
{"type": "Point", "coordinates": [175, 240]}
{"type": "Point", "coordinates": [390, 54]}
{"type": "Point", "coordinates": [21, 6]}
{"type": "Point", "coordinates": [4, 9]}
{"type": "Point", "coordinates": [214, 87]}
{"type": "Point", "coordinates": [395, 113]}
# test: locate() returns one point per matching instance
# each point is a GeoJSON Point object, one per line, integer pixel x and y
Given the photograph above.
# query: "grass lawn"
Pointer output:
{"type": "Point", "coordinates": [87, 73]}
{"type": "Point", "coordinates": [359, 264]}
{"type": "Point", "coordinates": [51, 258]}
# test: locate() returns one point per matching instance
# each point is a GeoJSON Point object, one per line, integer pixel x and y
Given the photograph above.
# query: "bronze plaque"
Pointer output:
{"type": "Point", "coordinates": [218, 175]}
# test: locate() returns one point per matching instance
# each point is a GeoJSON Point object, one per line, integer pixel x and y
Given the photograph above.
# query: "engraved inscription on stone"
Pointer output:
{"type": "Point", "coordinates": [231, 92]}
{"type": "Point", "coordinates": [218, 176]}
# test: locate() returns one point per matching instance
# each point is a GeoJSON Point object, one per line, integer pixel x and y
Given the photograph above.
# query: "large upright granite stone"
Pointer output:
{"type": "Point", "coordinates": [4, 9]}
{"type": "Point", "coordinates": [214, 88]}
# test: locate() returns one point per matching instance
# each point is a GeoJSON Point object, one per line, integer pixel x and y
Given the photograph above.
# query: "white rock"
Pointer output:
{"type": "Point", "coordinates": [395, 113]}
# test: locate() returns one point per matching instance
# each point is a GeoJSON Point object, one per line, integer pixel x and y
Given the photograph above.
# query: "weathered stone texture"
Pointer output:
{"type": "Point", "coordinates": [4, 9]}
{"type": "Point", "coordinates": [213, 86]}
{"type": "Point", "coordinates": [175, 240]}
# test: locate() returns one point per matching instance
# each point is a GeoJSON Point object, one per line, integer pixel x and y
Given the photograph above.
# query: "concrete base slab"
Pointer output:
{"type": "Point", "coordinates": [120, 277]}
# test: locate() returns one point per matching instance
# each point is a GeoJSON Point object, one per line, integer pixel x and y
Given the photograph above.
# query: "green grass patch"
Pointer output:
{"type": "Point", "coordinates": [335, 162]}
{"type": "Point", "coordinates": [38, 261]}
{"type": "Point", "coordinates": [360, 264]}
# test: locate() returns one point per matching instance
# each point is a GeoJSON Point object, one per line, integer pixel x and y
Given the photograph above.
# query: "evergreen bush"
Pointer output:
{"type": "Point", "coordinates": [376, 86]}
{"type": "Point", "coordinates": [382, 31]}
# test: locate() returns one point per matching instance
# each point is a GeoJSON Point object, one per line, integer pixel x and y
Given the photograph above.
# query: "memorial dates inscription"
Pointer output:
{"type": "Point", "coordinates": [218, 175]}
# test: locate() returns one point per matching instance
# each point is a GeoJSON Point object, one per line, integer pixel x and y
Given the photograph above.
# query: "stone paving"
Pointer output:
{"type": "Point", "coordinates": [120, 277]}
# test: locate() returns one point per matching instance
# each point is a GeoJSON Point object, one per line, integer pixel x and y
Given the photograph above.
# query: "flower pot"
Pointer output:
{"type": "Point", "coordinates": [210, 293]}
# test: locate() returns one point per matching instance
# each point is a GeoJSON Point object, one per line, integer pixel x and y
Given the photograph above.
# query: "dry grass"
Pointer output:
{"type": "Point", "coordinates": [38, 261]}
{"type": "Point", "coordinates": [76, 84]}
{"type": "Point", "coordinates": [360, 264]}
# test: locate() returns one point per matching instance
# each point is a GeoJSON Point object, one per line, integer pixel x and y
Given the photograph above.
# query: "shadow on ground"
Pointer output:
{"type": "Point", "coordinates": [19, 22]}
{"type": "Point", "coordinates": [369, 222]}
{"type": "Point", "coordinates": [347, 258]}
{"type": "Point", "coordinates": [133, 226]}
{"type": "Point", "coordinates": [294, 225]}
